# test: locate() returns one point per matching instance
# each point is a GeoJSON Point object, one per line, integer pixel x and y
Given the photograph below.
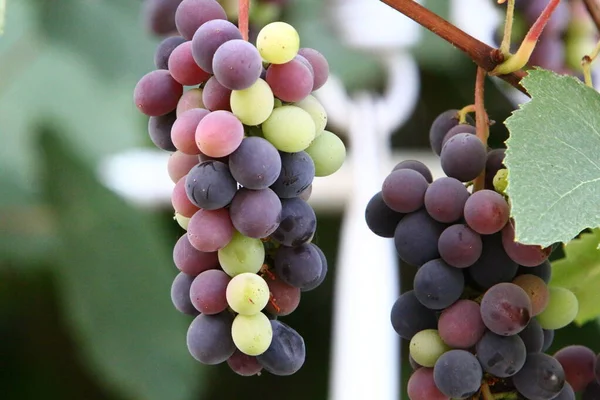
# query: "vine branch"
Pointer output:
{"type": "Point", "coordinates": [482, 124]}
{"type": "Point", "coordinates": [593, 7]}
{"type": "Point", "coordinates": [243, 18]}
{"type": "Point", "coordinates": [483, 55]}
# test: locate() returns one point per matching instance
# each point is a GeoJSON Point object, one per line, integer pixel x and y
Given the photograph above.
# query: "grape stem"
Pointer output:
{"type": "Point", "coordinates": [483, 55]}
{"type": "Point", "coordinates": [518, 60]}
{"type": "Point", "coordinates": [586, 65]}
{"type": "Point", "coordinates": [486, 393]}
{"type": "Point", "coordinates": [593, 8]}
{"type": "Point", "coordinates": [462, 114]}
{"type": "Point", "coordinates": [482, 123]}
{"type": "Point", "coordinates": [243, 18]}
{"type": "Point", "coordinates": [508, 24]}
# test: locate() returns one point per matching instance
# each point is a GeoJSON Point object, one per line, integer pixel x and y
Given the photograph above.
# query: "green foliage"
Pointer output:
{"type": "Point", "coordinates": [579, 271]}
{"type": "Point", "coordinates": [115, 275]}
{"type": "Point", "coordinates": [552, 157]}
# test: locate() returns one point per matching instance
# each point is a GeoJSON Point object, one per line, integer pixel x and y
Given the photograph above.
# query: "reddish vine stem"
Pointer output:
{"type": "Point", "coordinates": [482, 124]}
{"type": "Point", "coordinates": [593, 7]}
{"type": "Point", "coordinates": [483, 55]}
{"type": "Point", "coordinates": [244, 18]}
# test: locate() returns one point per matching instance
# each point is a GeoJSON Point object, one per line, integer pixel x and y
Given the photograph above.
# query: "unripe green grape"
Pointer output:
{"type": "Point", "coordinates": [501, 180]}
{"type": "Point", "coordinates": [289, 129]}
{"type": "Point", "coordinates": [253, 105]}
{"type": "Point", "coordinates": [252, 334]}
{"type": "Point", "coordinates": [328, 153]}
{"type": "Point", "coordinates": [242, 254]}
{"type": "Point", "coordinates": [247, 293]}
{"type": "Point", "coordinates": [182, 221]}
{"type": "Point", "coordinates": [561, 310]}
{"type": "Point", "coordinates": [311, 105]}
{"type": "Point", "coordinates": [426, 347]}
{"type": "Point", "coordinates": [278, 43]}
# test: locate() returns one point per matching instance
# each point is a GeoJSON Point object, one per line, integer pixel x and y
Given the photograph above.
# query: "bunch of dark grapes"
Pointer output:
{"type": "Point", "coordinates": [159, 15]}
{"type": "Point", "coordinates": [480, 315]}
{"type": "Point", "coordinates": [247, 139]}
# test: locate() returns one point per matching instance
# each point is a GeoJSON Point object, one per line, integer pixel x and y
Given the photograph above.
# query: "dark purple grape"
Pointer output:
{"type": "Point", "coordinates": [237, 64]}
{"type": "Point", "coordinates": [381, 219]}
{"type": "Point", "coordinates": [313, 285]}
{"type": "Point", "coordinates": [180, 294]}
{"type": "Point", "coordinates": [298, 266]}
{"type": "Point", "coordinates": [460, 246]}
{"type": "Point", "coordinates": [437, 285]}
{"type": "Point", "coordinates": [255, 213]}
{"type": "Point", "coordinates": [165, 48]}
{"type": "Point", "coordinates": [501, 356]}
{"type": "Point", "coordinates": [404, 190]}
{"type": "Point", "coordinates": [533, 336]}
{"type": "Point", "coordinates": [208, 292]}
{"type": "Point", "coordinates": [159, 130]}
{"type": "Point", "coordinates": [591, 392]}
{"type": "Point", "coordinates": [543, 271]}
{"type": "Point", "coordinates": [541, 377]}
{"type": "Point", "coordinates": [440, 127]}
{"type": "Point", "coordinates": [320, 66]}
{"type": "Point", "coordinates": [578, 363]}
{"type": "Point", "coordinates": [463, 157]}
{"type": "Point", "coordinates": [209, 185]}
{"type": "Point", "coordinates": [255, 164]}
{"type": "Point", "coordinates": [159, 16]}
{"type": "Point", "coordinates": [297, 174]}
{"type": "Point", "coordinates": [209, 37]}
{"type": "Point", "coordinates": [416, 238]}
{"type": "Point", "coordinates": [192, 14]}
{"type": "Point", "coordinates": [286, 354]}
{"type": "Point", "coordinates": [461, 128]}
{"type": "Point", "coordinates": [505, 309]}
{"type": "Point", "coordinates": [298, 223]}
{"type": "Point", "coordinates": [457, 374]}
{"type": "Point", "coordinates": [417, 166]}
{"type": "Point", "coordinates": [216, 96]}
{"type": "Point", "coordinates": [548, 339]}
{"type": "Point", "coordinates": [409, 316]}
{"type": "Point", "coordinates": [209, 338]}
{"type": "Point", "coordinates": [566, 393]}
{"type": "Point", "coordinates": [493, 266]}
{"type": "Point", "coordinates": [243, 364]}
{"type": "Point", "coordinates": [445, 199]}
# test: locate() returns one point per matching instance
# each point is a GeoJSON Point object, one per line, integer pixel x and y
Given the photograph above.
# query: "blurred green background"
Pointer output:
{"type": "Point", "coordinates": [85, 311]}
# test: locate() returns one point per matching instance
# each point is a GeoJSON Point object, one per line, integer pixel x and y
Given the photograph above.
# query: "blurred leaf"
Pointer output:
{"type": "Point", "coordinates": [579, 272]}
{"type": "Point", "coordinates": [109, 33]}
{"type": "Point", "coordinates": [115, 275]}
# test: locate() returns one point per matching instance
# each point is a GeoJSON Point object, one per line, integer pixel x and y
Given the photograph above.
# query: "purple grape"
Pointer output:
{"type": "Point", "coordinates": [243, 364]}
{"type": "Point", "coordinates": [486, 212]}
{"type": "Point", "coordinates": [216, 96]}
{"type": "Point", "coordinates": [290, 82]}
{"type": "Point", "coordinates": [409, 316]}
{"type": "Point", "coordinates": [460, 246]}
{"type": "Point", "coordinates": [505, 309]}
{"type": "Point", "coordinates": [543, 271]}
{"type": "Point", "coordinates": [461, 128]}
{"type": "Point", "coordinates": [438, 285]}
{"type": "Point", "coordinates": [457, 374]}
{"type": "Point", "coordinates": [209, 338]}
{"type": "Point", "coordinates": [209, 185]}
{"type": "Point", "coordinates": [256, 164]}
{"type": "Point", "coordinates": [416, 238]}
{"type": "Point", "coordinates": [157, 93]}
{"type": "Point", "coordinates": [159, 130]}
{"type": "Point", "coordinates": [297, 173]}
{"type": "Point", "coordinates": [207, 293]}
{"type": "Point", "coordinates": [460, 326]}
{"type": "Point", "coordinates": [541, 378]}
{"type": "Point", "coordinates": [298, 223]}
{"type": "Point", "coordinates": [404, 190]}
{"type": "Point", "coordinates": [421, 386]}
{"type": "Point", "coordinates": [533, 336]}
{"type": "Point", "coordinates": [165, 48]}
{"type": "Point", "coordinates": [191, 261]}
{"type": "Point", "coordinates": [255, 213]}
{"type": "Point", "coordinates": [440, 127]}
{"type": "Point", "coordinates": [159, 16]}
{"type": "Point", "coordinates": [463, 157]}
{"type": "Point", "coordinates": [381, 219]}
{"type": "Point", "coordinates": [323, 274]}
{"type": "Point", "coordinates": [180, 294]}
{"type": "Point", "coordinates": [208, 38]}
{"type": "Point", "coordinates": [578, 363]}
{"type": "Point", "coordinates": [493, 266]}
{"type": "Point", "coordinates": [319, 64]}
{"type": "Point", "coordinates": [287, 352]}
{"type": "Point", "coordinates": [417, 166]}
{"type": "Point", "coordinates": [192, 14]}
{"type": "Point", "coordinates": [298, 266]}
{"type": "Point", "coordinates": [237, 64]}
{"type": "Point", "coordinates": [445, 199]}
{"type": "Point", "coordinates": [501, 356]}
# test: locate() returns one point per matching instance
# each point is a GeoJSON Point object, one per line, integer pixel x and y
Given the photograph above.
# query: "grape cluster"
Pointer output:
{"type": "Point", "coordinates": [480, 314]}
{"type": "Point", "coordinates": [247, 139]}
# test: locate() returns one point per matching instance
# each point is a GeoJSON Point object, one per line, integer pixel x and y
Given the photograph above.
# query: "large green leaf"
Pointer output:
{"type": "Point", "coordinates": [579, 271]}
{"type": "Point", "coordinates": [553, 158]}
{"type": "Point", "coordinates": [115, 275]}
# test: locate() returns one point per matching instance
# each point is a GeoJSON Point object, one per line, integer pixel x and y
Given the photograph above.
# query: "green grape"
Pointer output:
{"type": "Point", "coordinates": [253, 105]}
{"type": "Point", "coordinates": [242, 254]}
{"type": "Point", "coordinates": [561, 310]}
{"type": "Point", "coordinates": [278, 103]}
{"type": "Point", "coordinates": [289, 129]}
{"type": "Point", "coordinates": [501, 180]}
{"type": "Point", "coordinates": [311, 105]}
{"type": "Point", "coordinates": [327, 152]}
{"type": "Point", "coordinates": [426, 347]}
{"type": "Point", "coordinates": [181, 220]}
{"type": "Point", "coordinates": [247, 293]}
{"type": "Point", "coordinates": [252, 334]}
{"type": "Point", "coordinates": [278, 43]}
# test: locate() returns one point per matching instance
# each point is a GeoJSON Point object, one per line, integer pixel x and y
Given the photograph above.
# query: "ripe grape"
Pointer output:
{"type": "Point", "coordinates": [247, 293]}
{"type": "Point", "coordinates": [286, 354]}
{"type": "Point", "coordinates": [316, 283]}
{"type": "Point", "coordinates": [159, 16]}
{"type": "Point", "coordinates": [207, 293]}
{"type": "Point", "coordinates": [253, 105]}
{"type": "Point", "coordinates": [311, 105]}
{"type": "Point", "coordinates": [416, 166]}
{"type": "Point", "coordinates": [209, 185]}
{"type": "Point", "coordinates": [505, 309]}
{"type": "Point", "coordinates": [298, 266]}
{"type": "Point", "coordinates": [191, 261]}
{"type": "Point", "coordinates": [183, 68]}
{"type": "Point", "coordinates": [157, 93]}
{"type": "Point", "coordinates": [164, 50]}
{"type": "Point", "coordinates": [409, 316]}
{"type": "Point", "coordinates": [541, 378]}
{"type": "Point", "coordinates": [243, 364]}
{"type": "Point", "coordinates": [180, 200]}
{"type": "Point", "coordinates": [421, 386]}
{"type": "Point", "coordinates": [544, 271]}
{"type": "Point", "coordinates": [426, 347]}
{"type": "Point", "coordinates": [192, 14]}
{"type": "Point", "coordinates": [189, 100]}
{"type": "Point", "coordinates": [404, 190]}
{"type": "Point", "coordinates": [180, 164]}
{"type": "Point", "coordinates": [591, 392]}
{"type": "Point", "coordinates": [255, 213]}
{"type": "Point", "coordinates": [208, 38]}
{"type": "Point", "coordinates": [210, 230]}
{"type": "Point", "coordinates": [289, 129]}
{"type": "Point", "coordinates": [493, 164]}
{"type": "Point", "coordinates": [457, 374]}
{"type": "Point", "coordinates": [578, 363]}
{"type": "Point", "coordinates": [486, 212]}
{"type": "Point", "coordinates": [493, 266]}
{"type": "Point", "coordinates": [255, 164]}
{"type": "Point", "coordinates": [381, 219]}
{"type": "Point", "coordinates": [416, 238]}
{"type": "Point", "coordinates": [278, 42]}
{"type": "Point", "coordinates": [252, 334]}
{"type": "Point", "coordinates": [297, 173]}
{"type": "Point", "coordinates": [183, 132]}
{"type": "Point", "coordinates": [567, 393]}
{"type": "Point", "coordinates": [209, 338]}
{"type": "Point", "coordinates": [180, 294]}
{"type": "Point", "coordinates": [298, 223]}
{"type": "Point", "coordinates": [561, 310]}
{"type": "Point", "coordinates": [438, 285]}
{"type": "Point", "coordinates": [216, 96]}
{"type": "Point", "coordinates": [237, 64]}
{"type": "Point", "coordinates": [525, 255]}
{"type": "Point", "coordinates": [440, 127]}
{"type": "Point", "coordinates": [328, 153]}
{"type": "Point", "coordinates": [533, 336]}
{"type": "Point", "coordinates": [445, 199]}
{"type": "Point", "coordinates": [460, 326]}
{"type": "Point", "coordinates": [548, 338]}
{"type": "Point", "coordinates": [219, 134]}
{"type": "Point", "coordinates": [460, 246]}
{"type": "Point", "coordinates": [286, 298]}
{"type": "Point", "coordinates": [159, 130]}
{"type": "Point", "coordinates": [460, 128]}
{"type": "Point", "coordinates": [537, 291]}
{"type": "Point", "coordinates": [319, 64]}
{"type": "Point", "coordinates": [463, 157]}
{"type": "Point", "coordinates": [501, 356]}
{"type": "Point", "coordinates": [292, 81]}
{"type": "Point", "coordinates": [242, 254]}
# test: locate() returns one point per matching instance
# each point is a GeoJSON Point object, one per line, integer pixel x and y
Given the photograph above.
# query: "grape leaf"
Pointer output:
{"type": "Point", "coordinates": [553, 158]}
{"type": "Point", "coordinates": [579, 272]}
{"type": "Point", "coordinates": [115, 271]}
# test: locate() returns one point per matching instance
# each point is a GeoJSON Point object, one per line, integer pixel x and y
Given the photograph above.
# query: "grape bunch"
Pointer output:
{"type": "Point", "coordinates": [480, 314]}
{"type": "Point", "coordinates": [247, 139]}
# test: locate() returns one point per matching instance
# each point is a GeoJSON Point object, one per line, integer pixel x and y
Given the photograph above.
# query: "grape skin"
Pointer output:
{"type": "Point", "coordinates": [440, 127]}
{"type": "Point", "coordinates": [287, 352]}
{"type": "Point", "coordinates": [180, 164]}
{"type": "Point", "coordinates": [461, 128]}
{"type": "Point", "coordinates": [255, 213]}
{"type": "Point", "coordinates": [242, 254]}
{"type": "Point", "coordinates": [159, 130]}
{"type": "Point", "coordinates": [416, 238]}
{"type": "Point", "coordinates": [566, 393]}
{"type": "Point", "coordinates": [409, 316]}
{"type": "Point", "coordinates": [381, 219]}
{"type": "Point", "coordinates": [460, 325]}
{"type": "Point", "coordinates": [541, 378]}
{"type": "Point", "coordinates": [525, 255]}
{"type": "Point", "coordinates": [209, 185]}
{"type": "Point", "coordinates": [505, 309]}
{"type": "Point", "coordinates": [286, 298]}
{"type": "Point", "coordinates": [180, 200]}
{"type": "Point", "coordinates": [457, 374]}
{"type": "Point", "coordinates": [445, 199]}
{"type": "Point", "coordinates": [460, 246]}
{"type": "Point", "coordinates": [561, 310]}
{"type": "Point", "coordinates": [159, 16]}
{"type": "Point", "coordinates": [164, 50]}
{"type": "Point", "coordinates": [438, 285]}
{"type": "Point", "coordinates": [578, 363]}
{"type": "Point", "coordinates": [190, 99]}
{"type": "Point", "coordinates": [328, 153]}
{"type": "Point", "coordinates": [501, 356]}
{"type": "Point", "coordinates": [417, 166]}
{"type": "Point", "coordinates": [247, 293]}
{"type": "Point", "coordinates": [183, 68]}
{"type": "Point", "coordinates": [208, 292]}
{"type": "Point", "coordinates": [208, 38]}
{"type": "Point", "coordinates": [278, 42]}
{"type": "Point", "coordinates": [463, 157]}
{"type": "Point", "coordinates": [255, 164]}
{"type": "Point", "coordinates": [493, 266]}
{"type": "Point", "coordinates": [533, 336]}
{"type": "Point", "coordinates": [298, 266]}
{"type": "Point", "coordinates": [209, 339]}
{"type": "Point", "coordinates": [192, 14]}
{"type": "Point", "coordinates": [486, 212]}
{"type": "Point", "coordinates": [290, 82]}
{"type": "Point", "coordinates": [237, 64]}
{"type": "Point", "coordinates": [421, 386]}
{"type": "Point", "coordinates": [210, 230]}
{"type": "Point", "coordinates": [157, 93]}
{"type": "Point", "coordinates": [316, 283]}
{"type": "Point", "coordinates": [289, 129]}
{"type": "Point", "coordinates": [548, 339]}
{"type": "Point", "coordinates": [191, 261]}
{"type": "Point", "coordinates": [243, 364]}
{"type": "Point", "coordinates": [319, 64]}
{"type": "Point", "coordinates": [298, 223]}
{"type": "Point", "coordinates": [493, 164]}
{"type": "Point", "coordinates": [311, 105]}
{"type": "Point", "coordinates": [404, 190]}
{"type": "Point", "coordinates": [252, 334]}
{"type": "Point", "coordinates": [219, 134]}
{"type": "Point", "coordinates": [253, 105]}
{"type": "Point", "coordinates": [216, 96]}
{"type": "Point", "coordinates": [426, 347]}
{"type": "Point", "coordinates": [544, 271]}
{"type": "Point", "coordinates": [180, 294]}
{"type": "Point", "coordinates": [297, 174]}
{"type": "Point", "coordinates": [537, 291]}
{"type": "Point", "coordinates": [183, 131]}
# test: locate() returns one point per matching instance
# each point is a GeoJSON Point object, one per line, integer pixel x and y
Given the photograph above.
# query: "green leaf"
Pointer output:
{"type": "Point", "coordinates": [553, 159]}
{"type": "Point", "coordinates": [579, 272]}
{"type": "Point", "coordinates": [115, 276]}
